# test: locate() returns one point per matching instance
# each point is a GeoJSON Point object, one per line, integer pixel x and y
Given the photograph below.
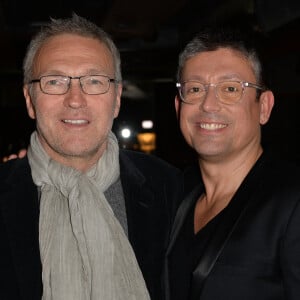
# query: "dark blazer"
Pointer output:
{"type": "Point", "coordinates": [261, 259]}
{"type": "Point", "coordinates": [152, 189]}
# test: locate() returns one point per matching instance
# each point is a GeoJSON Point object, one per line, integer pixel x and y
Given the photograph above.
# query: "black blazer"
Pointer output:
{"type": "Point", "coordinates": [261, 259]}
{"type": "Point", "coordinates": [152, 189]}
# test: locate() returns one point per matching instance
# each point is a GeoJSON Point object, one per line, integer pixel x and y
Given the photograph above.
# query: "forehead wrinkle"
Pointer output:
{"type": "Point", "coordinates": [92, 71]}
{"type": "Point", "coordinates": [90, 61]}
{"type": "Point", "coordinates": [225, 77]}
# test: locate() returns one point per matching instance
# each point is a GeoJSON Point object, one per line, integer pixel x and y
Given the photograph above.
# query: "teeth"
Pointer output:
{"type": "Point", "coordinates": [212, 126]}
{"type": "Point", "coordinates": [75, 121]}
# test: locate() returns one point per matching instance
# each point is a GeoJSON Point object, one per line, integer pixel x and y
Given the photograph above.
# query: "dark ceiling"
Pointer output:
{"type": "Point", "coordinates": [149, 35]}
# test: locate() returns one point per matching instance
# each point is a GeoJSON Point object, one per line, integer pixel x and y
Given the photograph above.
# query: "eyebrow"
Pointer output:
{"type": "Point", "coordinates": [232, 76]}
{"type": "Point", "coordinates": [86, 72]}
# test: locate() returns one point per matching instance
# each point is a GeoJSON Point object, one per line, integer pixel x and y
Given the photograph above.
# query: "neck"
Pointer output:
{"type": "Point", "coordinates": [224, 177]}
{"type": "Point", "coordinates": [81, 163]}
{"type": "Point", "coordinates": [79, 160]}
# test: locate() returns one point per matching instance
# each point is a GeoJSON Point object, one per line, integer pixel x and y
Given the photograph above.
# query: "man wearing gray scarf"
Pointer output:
{"type": "Point", "coordinates": [81, 219]}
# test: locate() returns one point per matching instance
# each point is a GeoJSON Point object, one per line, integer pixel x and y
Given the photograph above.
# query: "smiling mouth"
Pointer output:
{"type": "Point", "coordinates": [212, 126]}
{"type": "Point", "coordinates": [75, 122]}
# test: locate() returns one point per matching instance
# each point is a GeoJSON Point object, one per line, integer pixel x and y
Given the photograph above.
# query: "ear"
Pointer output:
{"type": "Point", "coordinates": [266, 101]}
{"type": "Point", "coordinates": [118, 100]}
{"type": "Point", "coordinates": [29, 103]}
{"type": "Point", "coordinates": [177, 105]}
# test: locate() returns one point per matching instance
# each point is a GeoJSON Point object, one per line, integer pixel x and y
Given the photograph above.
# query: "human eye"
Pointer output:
{"type": "Point", "coordinates": [230, 87]}
{"type": "Point", "coordinates": [193, 88]}
{"type": "Point", "coordinates": [95, 80]}
{"type": "Point", "coordinates": [53, 81]}
{"type": "Point", "coordinates": [54, 84]}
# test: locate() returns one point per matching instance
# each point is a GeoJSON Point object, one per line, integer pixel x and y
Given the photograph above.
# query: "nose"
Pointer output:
{"type": "Point", "coordinates": [75, 98]}
{"type": "Point", "coordinates": [211, 102]}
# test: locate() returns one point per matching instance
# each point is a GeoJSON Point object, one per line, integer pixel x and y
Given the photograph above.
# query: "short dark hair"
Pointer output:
{"type": "Point", "coordinates": [215, 37]}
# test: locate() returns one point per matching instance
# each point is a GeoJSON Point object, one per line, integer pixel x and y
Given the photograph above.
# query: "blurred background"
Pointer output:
{"type": "Point", "coordinates": [150, 35]}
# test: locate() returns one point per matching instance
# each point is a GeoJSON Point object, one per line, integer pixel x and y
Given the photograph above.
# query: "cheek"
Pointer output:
{"type": "Point", "coordinates": [247, 122]}
{"type": "Point", "coordinates": [45, 113]}
{"type": "Point", "coordinates": [253, 116]}
{"type": "Point", "coordinates": [42, 109]}
{"type": "Point", "coordinates": [104, 114]}
{"type": "Point", "coordinates": [186, 124]}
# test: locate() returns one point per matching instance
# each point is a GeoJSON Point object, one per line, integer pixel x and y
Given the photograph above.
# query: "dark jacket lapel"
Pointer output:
{"type": "Point", "coordinates": [193, 187]}
{"type": "Point", "coordinates": [228, 222]}
{"type": "Point", "coordinates": [150, 196]}
{"type": "Point", "coordinates": [19, 205]}
{"type": "Point", "coordinates": [138, 198]}
{"type": "Point", "coordinates": [182, 211]}
{"type": "Point", "coordinates": [180, 217]}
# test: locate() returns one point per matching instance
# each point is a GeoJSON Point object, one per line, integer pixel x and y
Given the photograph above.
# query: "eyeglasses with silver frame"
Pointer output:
{"type": "Point", "coordinates": [60, 84]}
{"type": "Point", "coordinates": [227, 92]}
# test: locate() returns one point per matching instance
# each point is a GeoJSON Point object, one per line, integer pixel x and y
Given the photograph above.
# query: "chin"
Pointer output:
{"type": "Point", "coordinates": [76, 151]}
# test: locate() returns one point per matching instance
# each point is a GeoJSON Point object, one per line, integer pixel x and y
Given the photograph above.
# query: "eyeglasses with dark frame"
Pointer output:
{"type": "Point", "coordinates": [60, 84]}
{"type": "Point", "coordinates": [227, 92]}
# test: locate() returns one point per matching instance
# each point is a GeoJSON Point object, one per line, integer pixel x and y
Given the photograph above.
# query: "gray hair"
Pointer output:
{"type": "Point", "coordinates": [215, 38]}
{"type": "Point", "coordinates": [75, 25]}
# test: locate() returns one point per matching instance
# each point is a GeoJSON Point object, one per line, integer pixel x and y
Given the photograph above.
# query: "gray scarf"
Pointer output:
{"type": "Point", "coordinates": [84, 252]}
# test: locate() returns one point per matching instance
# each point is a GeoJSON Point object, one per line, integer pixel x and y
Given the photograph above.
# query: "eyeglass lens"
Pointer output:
{"type": "Point", "coordinates": [227, 92]}
{"type": "Point", "coordinates": [58, 85]}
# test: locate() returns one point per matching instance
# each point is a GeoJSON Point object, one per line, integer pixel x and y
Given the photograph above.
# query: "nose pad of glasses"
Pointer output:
{"type": "Point", "coordinates": [211, 89]}
{"type": "Point", "coordinates": [211, 98]}
{"type": "Point", "coordinates": [75, 85]}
